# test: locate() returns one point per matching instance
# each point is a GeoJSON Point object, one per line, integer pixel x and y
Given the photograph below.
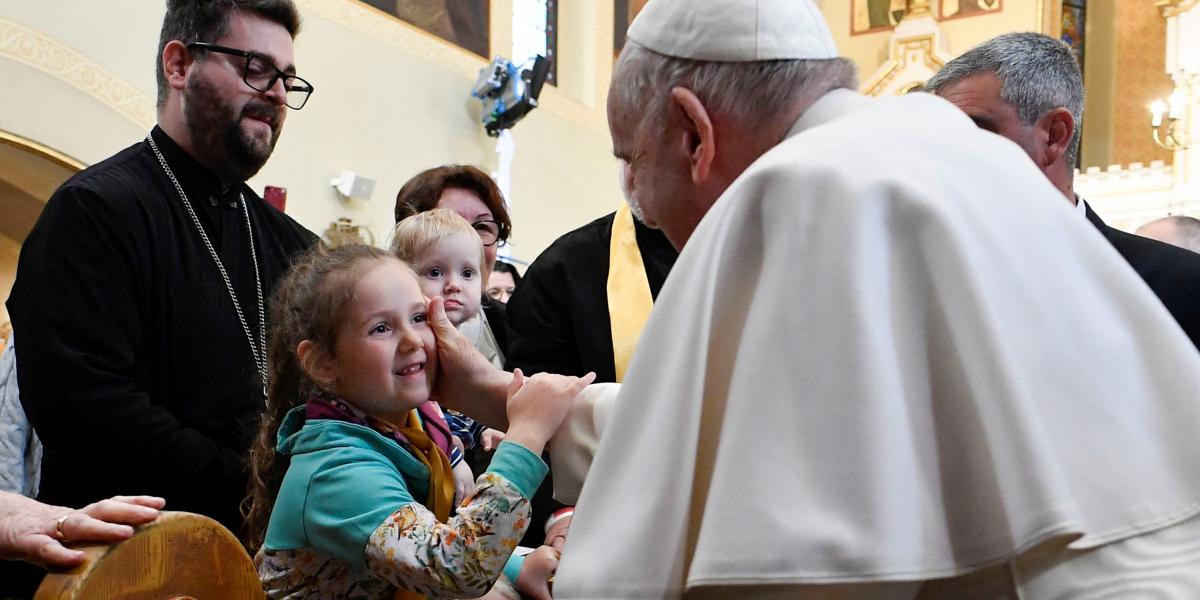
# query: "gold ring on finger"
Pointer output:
{"type": "Point", "coordinates": [59, 533]}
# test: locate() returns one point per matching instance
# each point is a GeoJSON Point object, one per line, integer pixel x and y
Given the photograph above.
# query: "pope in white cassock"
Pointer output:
{"type": "Point", "coordinates": [889, 363]}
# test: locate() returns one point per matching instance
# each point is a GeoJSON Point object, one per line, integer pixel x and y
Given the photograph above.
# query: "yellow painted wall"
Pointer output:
{"type": "Point", "coordinates": [390, 101]}
{"type": "Point", "coordinates": [1099, 82]}
{"type": "Point", "coordinates": [1140, 78]}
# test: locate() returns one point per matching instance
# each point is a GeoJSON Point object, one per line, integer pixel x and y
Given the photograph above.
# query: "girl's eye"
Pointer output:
{"type": "Point", "coordinates": [433, 272]}
{"type": "Point", "coordinates": [420, 318]}
{"type": "Point", "coordinates": [468, 273]}
{"type": "Point", "coordinates": [380, 328]}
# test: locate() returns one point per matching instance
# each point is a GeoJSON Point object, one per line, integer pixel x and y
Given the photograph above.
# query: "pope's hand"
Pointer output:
{"type": "Point", "coordinates": [466, 381]}
{"type": "Point", "coordinates": [534, 578]}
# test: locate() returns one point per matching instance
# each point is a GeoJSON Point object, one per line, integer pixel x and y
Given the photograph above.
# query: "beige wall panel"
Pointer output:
{"type": "Point", "coordinates": [44, 108]}
{"type": "Point", "coordinates": [1099, 85]}
{"type": "Point", "coordinates": [870, 50]}
{"type": "Point", "coordinates": [390, 101]}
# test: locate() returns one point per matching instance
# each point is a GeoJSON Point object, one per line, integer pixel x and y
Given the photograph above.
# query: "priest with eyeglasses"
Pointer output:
{"type": "Point", "coordinates": [140, 293]}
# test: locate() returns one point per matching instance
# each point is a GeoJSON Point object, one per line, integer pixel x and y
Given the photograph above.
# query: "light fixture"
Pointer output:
{"type": "Point", "coordinates": [1164, 121]}
{"type": "Point", "coordinates": [352, 185]}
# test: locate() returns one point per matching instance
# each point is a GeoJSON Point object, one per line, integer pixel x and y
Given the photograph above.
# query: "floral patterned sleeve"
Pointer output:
{"type": "Point", "coordinates": [465, 556]}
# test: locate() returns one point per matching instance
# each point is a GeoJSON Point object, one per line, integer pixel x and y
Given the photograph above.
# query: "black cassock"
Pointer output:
{"type": "Point", "coordinates": [132, 364]}
{"type": "Point", "coordinates": [558, 318]}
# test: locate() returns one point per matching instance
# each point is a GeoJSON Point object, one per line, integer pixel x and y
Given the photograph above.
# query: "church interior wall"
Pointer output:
{"type": "Point", "coordinates": [1125, 51]}
{"type": "Point", "coordinates": [390, 101]}
{"type": "Point", "coordinates": [1131, 178]}
{"type": "Point", "coordinates": [1099, 82]}
{"type": "Point", "coordinates": [870, 50]}
{"type": "Point", "coordinates": [1141, 78]}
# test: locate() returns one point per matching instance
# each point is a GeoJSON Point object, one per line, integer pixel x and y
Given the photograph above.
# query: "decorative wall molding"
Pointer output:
{"type": "Point", "coordinates": [1170, 8]}
{"type": "Point", "coordinates": [914, 55]}
{"type": "Point", "coordinates": [363, 19]}
{"type": "Point", "coordinates": [63, 160]}
{"type": "Point", "coordinates": [1128, 196]}
{"type": "Point", "coordinates": [45, 54]}
{"type": "Point", "coordinates": [1120, 179]}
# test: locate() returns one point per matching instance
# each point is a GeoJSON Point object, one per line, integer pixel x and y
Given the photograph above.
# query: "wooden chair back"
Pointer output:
{"type": "Point", "coordinates": [179, 556]}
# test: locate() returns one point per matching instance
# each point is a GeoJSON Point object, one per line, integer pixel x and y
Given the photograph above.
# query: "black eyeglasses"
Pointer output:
{"type": "Point", "coordinates": [261, 74]}
{"type": "Point", "coordinates": [489, 231]}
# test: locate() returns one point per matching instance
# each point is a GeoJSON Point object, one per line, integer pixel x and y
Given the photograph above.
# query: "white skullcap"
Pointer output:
{"type": "Point", "coordinates": [734, 30]}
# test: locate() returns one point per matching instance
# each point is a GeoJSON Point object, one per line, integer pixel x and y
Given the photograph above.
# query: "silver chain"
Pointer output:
{"type": "Point", "coordinates": [259, 350]}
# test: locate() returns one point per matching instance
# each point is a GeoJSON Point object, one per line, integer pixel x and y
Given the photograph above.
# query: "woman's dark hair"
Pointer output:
{"type": "Point", "coordinates": [503, 267]}
{"type": "Point", "coordinates": [307, 304]}
{"type": "Point", "coordinates": [424, 190]}
{"type": "Point", "coordinates": [208, 21]}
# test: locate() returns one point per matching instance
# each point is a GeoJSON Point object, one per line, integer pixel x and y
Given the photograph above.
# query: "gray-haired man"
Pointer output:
{"type": "Point", "coordinates": [1027, 87]}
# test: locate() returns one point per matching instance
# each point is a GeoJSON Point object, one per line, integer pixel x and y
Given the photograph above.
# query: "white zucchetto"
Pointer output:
{"type": "Point", "coordinates": [734, 30]}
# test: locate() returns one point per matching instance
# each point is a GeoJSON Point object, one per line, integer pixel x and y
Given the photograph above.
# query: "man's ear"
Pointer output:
{"type": "Point", "coordinates": [1059, 126]}
{"type": "Point", "coordinates": [317, 364]}
{"type": "Point", "coordinates": [698, 140]}
{"type": "Point", "coordinates": [175, 62]}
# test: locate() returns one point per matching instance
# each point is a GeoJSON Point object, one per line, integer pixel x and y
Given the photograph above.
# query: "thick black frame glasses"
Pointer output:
{"type": "Point", "coordinates": [487, 229]}
{"type": "Point", "coordinates": [261, 74]}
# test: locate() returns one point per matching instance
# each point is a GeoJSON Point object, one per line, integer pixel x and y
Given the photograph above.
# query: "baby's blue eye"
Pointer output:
{"type": "Point", "coordinates": [433, 272]}
{"type": "Point", "coordinates": [468, 273]}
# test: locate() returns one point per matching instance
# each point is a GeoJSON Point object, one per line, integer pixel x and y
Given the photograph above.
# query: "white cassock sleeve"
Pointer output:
{"type": "Point", "coordinates": [572, 448]}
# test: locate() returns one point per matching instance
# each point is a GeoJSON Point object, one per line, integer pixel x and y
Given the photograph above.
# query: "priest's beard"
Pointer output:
{"type": "Point", "coordinates": [215, 128]}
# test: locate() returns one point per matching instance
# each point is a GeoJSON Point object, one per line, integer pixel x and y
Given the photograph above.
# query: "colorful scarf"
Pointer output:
{"type": "Point", "coordinates": [425, 435]}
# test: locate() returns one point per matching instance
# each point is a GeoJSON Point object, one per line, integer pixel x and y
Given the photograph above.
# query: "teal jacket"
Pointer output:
{"type": "Point", "coordinates": [345, 479]}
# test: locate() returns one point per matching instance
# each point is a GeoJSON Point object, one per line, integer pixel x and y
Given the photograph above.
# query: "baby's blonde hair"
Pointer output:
{"type": "Point", "coordinates": [413, 236]}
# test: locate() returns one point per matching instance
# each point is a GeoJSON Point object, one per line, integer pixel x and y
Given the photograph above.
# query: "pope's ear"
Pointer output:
{"type": "Point", "coordinates": [317, 364]}
{"type": "Point", "coordinates": [697, 139]}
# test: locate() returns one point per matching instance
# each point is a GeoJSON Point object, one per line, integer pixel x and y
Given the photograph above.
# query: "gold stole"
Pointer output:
{"type": "Point", "coordinates": [629, 298]}
{"type": "Point", "coordinates": [441, 478]}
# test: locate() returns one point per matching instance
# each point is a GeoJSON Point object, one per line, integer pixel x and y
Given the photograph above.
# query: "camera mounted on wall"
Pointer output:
{"type": "Point", "coordinates": [509, 92]}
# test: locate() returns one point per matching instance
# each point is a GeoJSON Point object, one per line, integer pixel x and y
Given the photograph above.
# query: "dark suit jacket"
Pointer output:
{"type": "Point", "coordinates": [1172, 272]}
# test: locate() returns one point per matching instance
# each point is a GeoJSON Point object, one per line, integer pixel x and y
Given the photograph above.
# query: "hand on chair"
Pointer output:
{"type": "Point", "coordinates": [35, 532]}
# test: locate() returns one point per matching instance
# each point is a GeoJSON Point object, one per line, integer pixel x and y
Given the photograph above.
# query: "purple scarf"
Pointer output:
{"type": "Point", "coordinates": [328, 406]}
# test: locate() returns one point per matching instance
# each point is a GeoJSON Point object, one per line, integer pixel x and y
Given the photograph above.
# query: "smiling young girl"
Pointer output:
{"type": "Point", "coordinates": [361, 492]}
{"type": "Point", "coordinates": [448, 256]}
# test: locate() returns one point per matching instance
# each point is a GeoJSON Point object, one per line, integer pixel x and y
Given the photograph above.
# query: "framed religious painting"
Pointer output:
{"type": "Point", "coordinates": [954, 9]}
{"type": "Point", "coordinates": [1074, 32]}
{"type": "Point", "coordinates": [464, 23]}
{"type": "Point", "coordinates": [867, 16]}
